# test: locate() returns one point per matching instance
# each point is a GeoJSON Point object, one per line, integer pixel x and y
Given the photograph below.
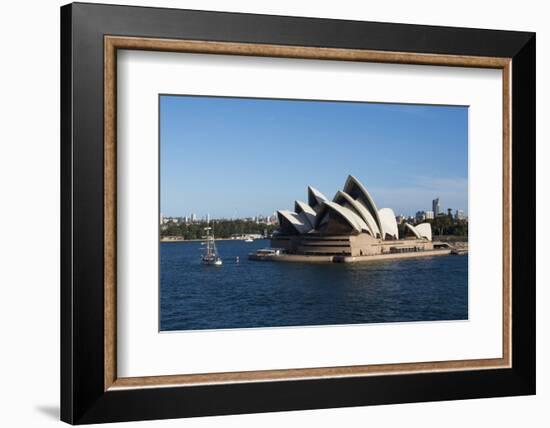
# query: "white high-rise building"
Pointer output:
{"type": "Point", "coordinates": [436, 208]}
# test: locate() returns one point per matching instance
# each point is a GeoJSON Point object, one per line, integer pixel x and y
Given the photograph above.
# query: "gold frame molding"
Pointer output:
{"type": "Point", "coordinates": [113, 43]}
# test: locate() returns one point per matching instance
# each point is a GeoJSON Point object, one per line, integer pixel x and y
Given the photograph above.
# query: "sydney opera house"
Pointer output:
{"type": "Point", "coordinates": [348, 225]}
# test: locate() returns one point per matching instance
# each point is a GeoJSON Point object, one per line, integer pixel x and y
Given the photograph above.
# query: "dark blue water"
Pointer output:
{"type": "Point", "coordinates": [269, 294]}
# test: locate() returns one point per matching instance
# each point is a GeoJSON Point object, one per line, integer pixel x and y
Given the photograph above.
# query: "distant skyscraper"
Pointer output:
{"type": "Point", "coordinates": [436, 208]}
{"type": "Point", "coordinates": [161, 218]}
{"type": "Point", "coordinates": [430, 215]}
{"type": "Point", "coordinates": [459, 215]}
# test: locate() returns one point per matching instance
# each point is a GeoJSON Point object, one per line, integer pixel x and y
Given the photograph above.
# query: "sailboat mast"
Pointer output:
{"type": "Point", "coordinates": [211, 256]}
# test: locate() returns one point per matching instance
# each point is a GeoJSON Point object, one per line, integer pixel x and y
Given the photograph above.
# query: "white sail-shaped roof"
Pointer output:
{"type": "Point", "coordinates": [351, 218]}
{"type": "Point", "coordinates": [388, 222]}
{"type": "Point", "coordinates": [357, 191]}
{"type": "Point", "coordinates": [306, 211]}
{"type": "Point", "coordinates": [352, 210]}
{"type": "Point", "coordinates": [293, 220]}
{"type": "Point", "coordinates": [315, 198]}
{"type": "Point", "coordinates": [343, 198]}
{"type": "Point", "coordinates": [423, 230]}
{"type": "Point", "coordinates": [413, 230]}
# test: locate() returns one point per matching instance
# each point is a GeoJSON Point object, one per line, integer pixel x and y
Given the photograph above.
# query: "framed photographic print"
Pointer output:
{"type": "Point", "coordinates": [265, 213]}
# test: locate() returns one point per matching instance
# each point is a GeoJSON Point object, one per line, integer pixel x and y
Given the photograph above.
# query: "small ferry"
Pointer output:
{"type": "Point", "coordinates": [210, 256]}
{"type": "Point", "coordinates": [266, 253]}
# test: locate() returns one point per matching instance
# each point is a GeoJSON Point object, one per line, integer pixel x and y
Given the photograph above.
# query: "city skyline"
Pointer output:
{"type": "Point", "coordinates": [427, 214]}
{"type": "Point", "coordinates": [237, 158]}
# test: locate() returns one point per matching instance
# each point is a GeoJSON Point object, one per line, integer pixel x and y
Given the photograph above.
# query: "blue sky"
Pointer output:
{"type": "Point", "coordinates": [238, 157]}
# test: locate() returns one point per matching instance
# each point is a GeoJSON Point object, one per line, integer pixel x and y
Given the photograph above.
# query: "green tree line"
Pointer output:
{"type": "Point", "coordinates": [221, 228]}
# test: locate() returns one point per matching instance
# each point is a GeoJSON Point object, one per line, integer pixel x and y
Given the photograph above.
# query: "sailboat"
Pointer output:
{"type": "Point", "coordinates": [210, 256]}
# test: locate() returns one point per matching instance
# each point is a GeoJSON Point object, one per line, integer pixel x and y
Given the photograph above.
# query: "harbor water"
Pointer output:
{"type": "Point", "coordinates": [244, 293]}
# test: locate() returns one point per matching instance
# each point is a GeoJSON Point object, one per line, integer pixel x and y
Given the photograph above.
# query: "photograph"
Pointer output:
{"type": "Point", "coordinates": [291, 212]}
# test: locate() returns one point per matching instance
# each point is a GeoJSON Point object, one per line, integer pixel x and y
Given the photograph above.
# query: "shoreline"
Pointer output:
{"type": "Point", "coordinates": [202, 240]}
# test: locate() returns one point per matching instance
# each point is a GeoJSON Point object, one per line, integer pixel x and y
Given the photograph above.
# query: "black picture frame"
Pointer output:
{"type": "Point", "coordinates": [83, 398]}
